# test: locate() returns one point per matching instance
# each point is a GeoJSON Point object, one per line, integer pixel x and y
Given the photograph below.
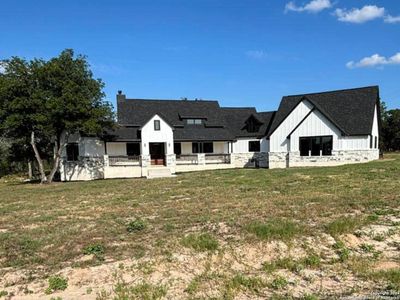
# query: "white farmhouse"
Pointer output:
{"type": "Point", "coordinates": [157, 138]}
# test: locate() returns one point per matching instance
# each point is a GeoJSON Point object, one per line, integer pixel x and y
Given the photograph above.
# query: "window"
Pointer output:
{"type": "Point", "coordinates": [202, 147]}
{"type": "Point", "coordinates": [72, 151]}
{"type": "Point", "coordinates": [376, 142]}
{"type": "Point", "coordinates": [371, 143]}
{"type": "Point", "coordinates": [316, 145]}
{"type": "Point", "coordinates": [132, 149]}
{"type": "Point", "coordinates": [254, 146]}
{"type": "Point", "coordinates": [208, 147]}
{"type": "Point", "coordinates": [156, 125]}
{"type": "Point", "coordinates": [177, 148]}
{"type": "Point", "coordinates": [194, 121]}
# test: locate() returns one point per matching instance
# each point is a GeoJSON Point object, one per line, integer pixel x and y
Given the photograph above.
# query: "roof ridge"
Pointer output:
{"type": "Point", "coordinates": [333, 91]}
{"type": "Point", "coordinates": [170, 100]}
{"type": "Point", "coordinates": [238, 107]}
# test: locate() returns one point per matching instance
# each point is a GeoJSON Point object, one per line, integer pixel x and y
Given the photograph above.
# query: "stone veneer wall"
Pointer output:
{"type": "Point", "coordinates": [338, 157]}
{"type": "Point", "coordinates": [247, 160]}
{"type": "Point", "coordinates": [87, 168]}
{"type": "Point", "coordinates": [278, 160]}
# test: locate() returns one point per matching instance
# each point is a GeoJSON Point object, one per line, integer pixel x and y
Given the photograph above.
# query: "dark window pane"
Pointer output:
{"type": "Point", "coordinates": [305, 146]}
{"type": "Point", "coordinates": [370, 142]}
{"type": "Point", "coordinates": [132, 149]}
{"type": "Point", "coordinates": [156, 125]}
{"type": "Point", "coordinates": [195, 148]}
{"type": "Point", "coordinates": [177, 148]}
{"type": "Point", "coordinates": [208, 147]}
{"type": "Point", "coordinates": [376, 142]}
{"type": "Point", "coordinates": [254, 146]}
{"type": "Point", "coordinates": [315, 146]}
{"type": "Point", "coordinates": [72, 151]}
{"type": "Point", "coordinates": [327, 145]}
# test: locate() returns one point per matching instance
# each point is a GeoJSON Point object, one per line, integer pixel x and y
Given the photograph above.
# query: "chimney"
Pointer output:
{"type": "Point", "coordinates": [120, 96]}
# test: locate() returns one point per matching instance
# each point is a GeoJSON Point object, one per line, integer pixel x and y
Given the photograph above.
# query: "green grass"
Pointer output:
{"type": "Point", "coordinates": [200, 242]}
{"type": "Point", "coordinates": [311, 261]}
{"type": "Point", "coordinates": [56, 283]}
{"type": "Point", "coordinates": [50, 225]}
{"type": "Point", "coordinates": [275, 229]}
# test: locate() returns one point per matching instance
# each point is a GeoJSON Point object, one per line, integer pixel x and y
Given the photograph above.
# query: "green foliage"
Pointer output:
{"type": "Point", "coordinates": [50, 98]}
{"type": "Point", "coordinates": [250, 283]}
{"type": "Point", "coordinates": [96, 249]}
{"type": "Point", "coordinates": [200, 242]}
{"type": "Point", "coordinates": [142, 291]}
{"type": "Point", "coordinates": [56, 283]}
{"type": "Point", "coordinates": [136, 225]}
{"type": "Point", "coordinates": [274, 229]}
{"type": "Point", "coordinates": [310, 297]}
{"type": "Point", "coordinates": [3, 293]}
{"type": "Point", "coordinates": [279, 283]}
{"type": "Point", "coordinates": [311, 261]}
{"type": "Point", "coordinates": [367, 248]}
{"type": "Point", "coordinates": [390, 129]}
{"type": "Point", "coordinates": [341, 251]}
{"type": "Point", "coordinates": [344, 225]}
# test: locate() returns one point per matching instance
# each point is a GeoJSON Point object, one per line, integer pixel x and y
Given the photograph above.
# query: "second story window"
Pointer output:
{"type": "Point", "coordinates": [157, 125]}
{"type": "Point", "coordinates": [194, 121]}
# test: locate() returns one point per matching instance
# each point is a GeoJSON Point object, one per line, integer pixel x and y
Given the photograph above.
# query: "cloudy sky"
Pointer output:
{"type": "Point", "coordinates": [239, 52]}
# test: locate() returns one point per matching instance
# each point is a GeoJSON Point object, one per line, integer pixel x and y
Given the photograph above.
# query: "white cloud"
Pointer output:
{"type": "Point", "coordinates": [375, 60]}
{"type": "Point", "coordinates": [313, 6]}
{"type": "Point", "coordinates": [392, 20]}
{"type": "Point", "coordinates": [356, 15]}
{"type": "Point", "coordinates": [256, 54]}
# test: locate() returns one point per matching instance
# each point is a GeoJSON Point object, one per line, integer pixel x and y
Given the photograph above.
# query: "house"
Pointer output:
{"type": "Point", "coordinates": [157, 138]}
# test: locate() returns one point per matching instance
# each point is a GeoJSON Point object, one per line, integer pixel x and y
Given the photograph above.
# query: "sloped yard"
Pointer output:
{"type": "Point", "coordinates": [306, 233]}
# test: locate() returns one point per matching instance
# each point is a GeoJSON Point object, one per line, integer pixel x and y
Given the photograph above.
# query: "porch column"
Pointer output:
{"type": "Point", "coordinates": [106, 161]}
{"type": "Point", "coordinates": [201, 159]}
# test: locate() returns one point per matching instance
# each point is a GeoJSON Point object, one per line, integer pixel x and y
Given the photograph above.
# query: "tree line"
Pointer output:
{"type": "Point", "coordinates": [390, 129]}
{"type": "Point", "coordinates": [43, 102]}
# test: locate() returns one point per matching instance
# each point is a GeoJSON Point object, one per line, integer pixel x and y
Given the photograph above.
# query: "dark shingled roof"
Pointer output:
{"type": "Point", "coordinates": [350, 110]}
{"type": "Point", "coordinates": [236, 117]}
{"type": "Point", "coordinates": [224, 124]}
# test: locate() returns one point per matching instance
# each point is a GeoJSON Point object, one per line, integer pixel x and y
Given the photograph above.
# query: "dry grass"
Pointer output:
{"type": "Point", "coordinates": [51, 226]}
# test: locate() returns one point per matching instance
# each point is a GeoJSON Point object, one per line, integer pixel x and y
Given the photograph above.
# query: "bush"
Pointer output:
{"type": "Point", "coordinates": [279, 283]}
{"type": "Point", "coordinates": [136, 225]}
{"type": "Point", "coordinates": [96, 249]}
{"type": "Point", "coordinates": [202, 242]}
{"type": "Point", "coordinates": [56, 283]}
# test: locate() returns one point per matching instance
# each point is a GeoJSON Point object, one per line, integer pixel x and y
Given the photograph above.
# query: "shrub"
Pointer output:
{"type": "Point", "coordinates": [279, 283]}
{"type": "Point", "coordinates": [201, 242]}
{"type": "Point", "coordinates": [136, 225]}
{"type": "Point", "coordinates": [274, 229]}
{"type": "Point", "coordinates": [96, 249]}
{"type": "Point", "coordinates": [56, 283]}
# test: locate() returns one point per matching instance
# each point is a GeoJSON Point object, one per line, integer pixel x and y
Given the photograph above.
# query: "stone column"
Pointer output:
{"type": "Point", "coordinates": [170, 160]}
{"type": "Point", "coordinates": [201, 159]}
{"type": "Point", "coordinates": [145, 163]}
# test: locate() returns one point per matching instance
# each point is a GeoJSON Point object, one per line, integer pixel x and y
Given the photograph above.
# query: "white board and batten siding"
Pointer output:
{"type": "Point", "coordinates": [278, 139]}
{"type": "Point", "coordinates": [242, 145]}
{"type": "Point", "coordinates": [164, 135]}
{"type": "Point", "coordinates": [316, 124]}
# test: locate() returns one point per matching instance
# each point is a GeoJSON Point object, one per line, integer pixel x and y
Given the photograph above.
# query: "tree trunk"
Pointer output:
{"type": "Point", "coordinates": [58, 148]}
{"type": "Point", "coordinates": [30, 170]}
{"type": "Point", "coordinates": [43, 178]}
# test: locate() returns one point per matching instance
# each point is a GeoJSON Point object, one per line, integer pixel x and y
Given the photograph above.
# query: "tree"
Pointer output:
{"type": "Point", "coordinates": [44, 102]}
{"type": "Point", "coordinates": [391, 130]}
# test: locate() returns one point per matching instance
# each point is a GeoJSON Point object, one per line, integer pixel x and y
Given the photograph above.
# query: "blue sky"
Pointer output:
{"type": "Point", "coordinates": [242, 53]}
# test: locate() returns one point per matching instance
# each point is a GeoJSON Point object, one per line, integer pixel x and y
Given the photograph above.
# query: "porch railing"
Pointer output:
{"type": "Point", "coordinates": [124, 160]}
{"type": "Point", "coordinates": [218, 158]}
{"type": "Point", "coordinates": [187, 159]}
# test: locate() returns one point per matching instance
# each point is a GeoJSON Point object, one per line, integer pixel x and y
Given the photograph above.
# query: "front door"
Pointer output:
{"type": "Point", "coordinates": [157, 153]}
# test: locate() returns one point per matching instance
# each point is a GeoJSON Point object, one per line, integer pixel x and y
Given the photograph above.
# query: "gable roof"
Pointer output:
{"type": "Point", "coordinates": [351, 110]}
{"type": "Point", "coordinates": [236, 118]}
